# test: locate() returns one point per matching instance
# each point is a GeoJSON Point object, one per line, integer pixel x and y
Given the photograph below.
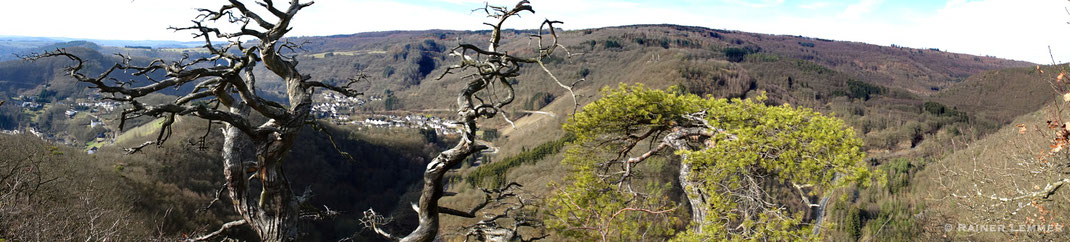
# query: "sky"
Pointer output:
{"type": "Point", "coordinates": [1013, 29]}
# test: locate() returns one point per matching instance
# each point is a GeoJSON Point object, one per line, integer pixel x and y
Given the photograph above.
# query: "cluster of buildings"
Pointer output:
{"type": "Point", "coordinates": [441, 126]}
{"type": "Point", "coordinates": [32, 106]}
{"type": "Point", "coordinates": [340, 108]}
{"type": "Point", "coordinates": [100, 105]}
{"type": "Point", "coordinates": [72, 109]}
{"type": "Point", "coordinates": [44, 136]}
{"type": "Point", "coordinates": [336, 106]}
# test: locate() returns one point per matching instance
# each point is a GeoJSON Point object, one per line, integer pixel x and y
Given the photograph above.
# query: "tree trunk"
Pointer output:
{"type": "Point", "coordinates": [695, 197]}
{"type": "Point", "coordinates": [432, 190]}
{"type": "Point", "coordinates": [277, 213]}
{"type": "Point", "coordinates": [273, 214]}
{"type": "Point", "coordinates": [428, 206]}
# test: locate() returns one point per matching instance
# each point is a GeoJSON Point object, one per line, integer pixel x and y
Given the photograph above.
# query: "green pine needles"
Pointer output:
{"type": "Point", "coordinates": [747, 170]}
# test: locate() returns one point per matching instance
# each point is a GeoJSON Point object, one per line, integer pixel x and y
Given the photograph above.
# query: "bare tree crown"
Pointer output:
{"type": "Point", "coordinates": [228, 83]}
{"type": "Point", "coordinates": [225, 91]}
{"type": "Point", "coordinates": [493, 67]}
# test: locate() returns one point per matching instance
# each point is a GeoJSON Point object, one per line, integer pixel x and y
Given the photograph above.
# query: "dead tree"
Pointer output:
{"type": "Point", "coordinates": [225, 91]}
{"type": "Point", "coordinates": [494, 67]}
{"type": "Point", "coordinates": [511, 210]}
{"type": "Point", "coordinates": [514, 213]}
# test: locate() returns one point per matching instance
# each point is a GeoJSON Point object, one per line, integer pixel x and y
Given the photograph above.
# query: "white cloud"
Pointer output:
{"type": "Point", "coordinates": [855, 11]}
{"type": "Point", "coordinates": [954, 3]}
{"type": "Point", "coordinates": [814, 5]}
{"type": "Point", "coordinates": [1018, 29]}
{"type": "Point", "coordinates": [757, 3]}
{"type": "Point", "coordinates": [110, 19]}
{"type": "Point", "coordinates": [465, 2]}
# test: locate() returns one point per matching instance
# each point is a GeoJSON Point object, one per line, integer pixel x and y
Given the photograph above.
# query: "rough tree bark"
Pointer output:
{"type": "Point", "coordinates": [696, 198]}
{"type": "Point", "coordinates": [227, 93]}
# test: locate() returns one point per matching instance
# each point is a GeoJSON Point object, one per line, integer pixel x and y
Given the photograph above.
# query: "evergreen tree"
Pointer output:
{"type": "Point", "coordinates": [748, 170]}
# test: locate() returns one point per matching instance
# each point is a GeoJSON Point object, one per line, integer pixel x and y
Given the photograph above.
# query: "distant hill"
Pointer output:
{"type": "Point", "coordinates": [399, 60]}
{"type": "Point", "coordinates": [21, 77]}
{"type": "Point", "coordinates": [879, 90]}
{"type": "Point", "coordinates": [922, 71]}
{"type": "Point", "coordinates": [832, 76]}
{"type": "Point", "coordinates": [22, 45]}
{"type": "Point", "coordinates": [1003, 94]}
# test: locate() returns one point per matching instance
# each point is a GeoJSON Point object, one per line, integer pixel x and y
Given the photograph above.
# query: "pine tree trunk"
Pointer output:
{"type": "Point", "coordinates": [695, 197]}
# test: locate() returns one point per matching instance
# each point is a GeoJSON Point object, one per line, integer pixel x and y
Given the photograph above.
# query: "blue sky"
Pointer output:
{"type": "Point", "coordinates": [1015, 29]}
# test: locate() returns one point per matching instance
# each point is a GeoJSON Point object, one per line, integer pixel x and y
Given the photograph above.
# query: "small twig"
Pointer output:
{"type": "Point", "coordinates": [218, 194]}
{"type": "Point", "coordinates": [334, 144]}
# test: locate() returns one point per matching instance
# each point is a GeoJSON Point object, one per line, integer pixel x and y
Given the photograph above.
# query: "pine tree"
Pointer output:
{"type": "Point", "coordinates": [748, 170]}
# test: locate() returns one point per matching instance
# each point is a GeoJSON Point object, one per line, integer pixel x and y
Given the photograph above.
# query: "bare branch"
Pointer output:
{"type": "Point", "coordinates": [346, 90]}
{"type": "Point", "coordinates": [1043, 193]}
{"type": "Point", "coordinates": [375, 221]}
{"type": "Point", "coordinates": [138, 148]}
{"type": "Point", "coordinates": [218, 194]}
{"type": "Point", "coordinates": [330, 137]}
{"type": "Point", "coordinates": [490, 195]}
{"type": "Point", "coordinates": [510, 206]}
{"type": "Point", "coordinates": [221, 230]}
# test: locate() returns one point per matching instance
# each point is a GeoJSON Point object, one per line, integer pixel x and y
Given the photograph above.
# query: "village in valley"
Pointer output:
{"type": "Point", "coordinates": [339, 110]}
{"type": "Point", "coordinates": [95, 114]}
{"type": "Point", "coordinates": [89, 115]}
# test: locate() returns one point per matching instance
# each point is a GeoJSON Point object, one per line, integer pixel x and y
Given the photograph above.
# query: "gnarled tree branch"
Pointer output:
{"type": "Point", "coordinates": [227, 93]}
